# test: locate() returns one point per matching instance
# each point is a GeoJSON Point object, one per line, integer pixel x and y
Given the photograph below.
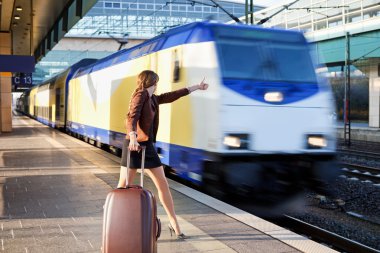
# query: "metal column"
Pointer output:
{"type": "Point", "coordinates": [347, 95]}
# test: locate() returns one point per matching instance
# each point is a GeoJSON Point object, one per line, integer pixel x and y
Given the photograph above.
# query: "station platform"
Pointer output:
{"type": "Point", "coordinates": [53, 188]}
{"type": "Point", "coordinates": [360, 132]}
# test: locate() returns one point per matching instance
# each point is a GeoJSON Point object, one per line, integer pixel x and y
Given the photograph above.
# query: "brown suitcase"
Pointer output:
{"type": "Point", "coordinates": [130, 222]}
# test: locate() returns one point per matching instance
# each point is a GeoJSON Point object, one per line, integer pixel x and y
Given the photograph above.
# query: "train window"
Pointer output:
{"type": "Point", "coordinates": [141, 51]}
{"type": "Point", "coordinates": [176, 67]}
{"type": "Point", "coordinates": [153, 46]}
{"type": "Point", "coordinates": [289, 69]}
{"type": "Point", "coordinates": [265, 61]}
{"type": "Point", "coordinates": [259, 34]}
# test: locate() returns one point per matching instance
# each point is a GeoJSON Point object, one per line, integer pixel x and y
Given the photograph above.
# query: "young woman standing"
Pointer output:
{"type": "Point", "coordinates": [142, 126]}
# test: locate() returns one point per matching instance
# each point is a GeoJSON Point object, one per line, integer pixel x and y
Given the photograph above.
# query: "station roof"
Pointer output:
{"type": "Point", "coordinates": [37, 25]}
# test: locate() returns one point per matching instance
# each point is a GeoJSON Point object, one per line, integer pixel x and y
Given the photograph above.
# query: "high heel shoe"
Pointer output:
{"type": "Point", "coordinates": [181, 236]}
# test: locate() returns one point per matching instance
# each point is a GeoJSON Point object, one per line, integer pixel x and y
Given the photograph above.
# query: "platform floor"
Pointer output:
{"type": "Point", "coordinates": [53, 188]}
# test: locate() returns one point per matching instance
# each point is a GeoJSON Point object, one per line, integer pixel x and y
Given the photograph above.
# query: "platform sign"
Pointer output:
{"type": "Point", "coordinates": [21, 81]}
{"type": "Point", "coordinates": [17, 63]}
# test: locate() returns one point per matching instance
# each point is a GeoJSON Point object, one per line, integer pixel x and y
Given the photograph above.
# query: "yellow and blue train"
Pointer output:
{"type": "Point", "coordinates": [265, 123]}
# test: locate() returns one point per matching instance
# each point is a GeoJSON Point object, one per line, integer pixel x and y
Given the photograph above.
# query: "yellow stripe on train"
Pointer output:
{"type": "Point", "coordinates": [101, 99]}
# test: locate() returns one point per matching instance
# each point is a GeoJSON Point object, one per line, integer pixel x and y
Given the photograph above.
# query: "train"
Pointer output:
{"type": "Point", "coordinates": [265, 125]}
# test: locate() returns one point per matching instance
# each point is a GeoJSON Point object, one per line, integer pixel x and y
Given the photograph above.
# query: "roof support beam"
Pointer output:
{"type": "Point", "coordinates": [55, 28]}
{"type": "Point", "coordinates": [65, 21]}
{"type": "Point", "coordinates": [70, 15]}
{"type": "Point", "coordinates": [79, 8]}
{"type": "Point", "coordinates": [48, 45]}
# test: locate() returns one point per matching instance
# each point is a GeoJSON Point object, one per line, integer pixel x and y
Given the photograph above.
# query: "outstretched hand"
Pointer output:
{"type": "Point", "coordinates": [203, 85]}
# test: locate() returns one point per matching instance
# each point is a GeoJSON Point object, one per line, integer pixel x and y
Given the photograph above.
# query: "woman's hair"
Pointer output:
{"type": "Point", "coordinates": [146, 79]}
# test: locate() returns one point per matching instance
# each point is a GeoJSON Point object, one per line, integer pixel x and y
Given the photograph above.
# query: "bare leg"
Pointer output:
{"type": "Point", "coordinates": [159, 180]}
{"type": "Point", "coordinates": [123, 174]}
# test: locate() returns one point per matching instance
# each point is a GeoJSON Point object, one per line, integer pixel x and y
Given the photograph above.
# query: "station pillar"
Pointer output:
{"type": "Point", "coordinates": [374, 95]}
{"type": "Point", "coordinates": [5, 86]}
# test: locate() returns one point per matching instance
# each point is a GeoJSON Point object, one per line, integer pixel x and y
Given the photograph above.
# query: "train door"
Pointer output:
{"type": "Point", "coordinates": [26, 105]}
{"type": "Point", "coordinates": [35, 106]}
{"type": "Point", "coordinates": [50, 104]}
{"type": "Point", "coordinates": [58, 105]}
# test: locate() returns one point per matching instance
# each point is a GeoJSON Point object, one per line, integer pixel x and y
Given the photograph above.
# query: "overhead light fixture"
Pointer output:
{"type": "Point", "coordinates": [17, 17]}
{"type": "Point", "coordinates": [18, 8]}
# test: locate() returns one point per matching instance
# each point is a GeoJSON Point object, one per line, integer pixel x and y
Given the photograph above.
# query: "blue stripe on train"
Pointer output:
{"type": "Point", "coordinates": [45, 122]}
{"type": "Point", "coordinates": [104, 136]}
{"type": "Point", "coordinates": [188, 162]}
{"type": "Point", "coordinates": [256, 90]}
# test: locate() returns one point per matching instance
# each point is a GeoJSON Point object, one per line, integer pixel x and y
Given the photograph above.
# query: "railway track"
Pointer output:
{"type": "Point", "coordinates": [357, 145]}
{"type": "Point", "coordinates": [359, 153]}
{"type": "Point", "coordinates": [362, 172]}
{"type": "Point", "coordinates": [333, 240]}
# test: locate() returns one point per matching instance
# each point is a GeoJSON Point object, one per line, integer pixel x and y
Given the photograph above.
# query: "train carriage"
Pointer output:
{"type": "Point", "coordinates": [46, 102]}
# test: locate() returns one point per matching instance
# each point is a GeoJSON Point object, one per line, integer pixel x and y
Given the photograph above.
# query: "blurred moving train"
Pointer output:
{"type": "Point", "coordinates": [264, 125]}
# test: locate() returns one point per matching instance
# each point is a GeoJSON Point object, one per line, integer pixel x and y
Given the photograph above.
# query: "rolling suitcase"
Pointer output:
{"type": "Point", "coordinates": [130, 222]}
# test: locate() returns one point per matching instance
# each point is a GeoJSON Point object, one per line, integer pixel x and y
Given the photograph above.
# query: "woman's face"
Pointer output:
{"type": "Point", "coordinates": [152, 89]}
{"type": "Point", "coordinates": [155, 87]}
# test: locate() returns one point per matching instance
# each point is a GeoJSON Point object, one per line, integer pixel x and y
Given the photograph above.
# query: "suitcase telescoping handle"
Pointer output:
{"type": "Point", "coordinates": [142, 165]}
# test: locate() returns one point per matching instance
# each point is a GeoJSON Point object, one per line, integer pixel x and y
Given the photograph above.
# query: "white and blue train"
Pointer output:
{"type": "Point", "coordinates": [264, 124]}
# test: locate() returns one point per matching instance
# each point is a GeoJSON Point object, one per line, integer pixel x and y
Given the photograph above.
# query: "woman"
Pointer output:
{"type": "Point", "coordinates": [142, 126]}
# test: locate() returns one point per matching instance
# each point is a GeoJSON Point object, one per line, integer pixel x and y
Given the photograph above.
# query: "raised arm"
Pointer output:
{"type": "Point", "coordinates": [174, 95]}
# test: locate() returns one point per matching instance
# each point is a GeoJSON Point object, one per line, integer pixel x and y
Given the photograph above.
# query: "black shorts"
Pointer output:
{"type": "Point", "coordinates": [151, 157]}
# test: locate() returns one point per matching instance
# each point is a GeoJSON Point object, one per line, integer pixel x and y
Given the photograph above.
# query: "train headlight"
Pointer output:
{"type": "Point", "coordinates": [236, 141]}
{"type": "Point", "coordinates": [275, 97]}
{"type": "Point", "coordinates": [316, 141]}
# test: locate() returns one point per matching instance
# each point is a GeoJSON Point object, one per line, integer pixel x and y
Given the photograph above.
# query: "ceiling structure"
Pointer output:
{"type": "Point", "coordinates": [37, 25]}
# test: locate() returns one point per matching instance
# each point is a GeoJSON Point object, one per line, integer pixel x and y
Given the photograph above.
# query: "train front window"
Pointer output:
{"type": "Point", "coordinates": [265, 60]}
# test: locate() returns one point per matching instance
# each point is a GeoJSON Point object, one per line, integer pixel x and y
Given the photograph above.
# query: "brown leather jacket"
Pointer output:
{"type": "Point", "coordinates": [143, 108]}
